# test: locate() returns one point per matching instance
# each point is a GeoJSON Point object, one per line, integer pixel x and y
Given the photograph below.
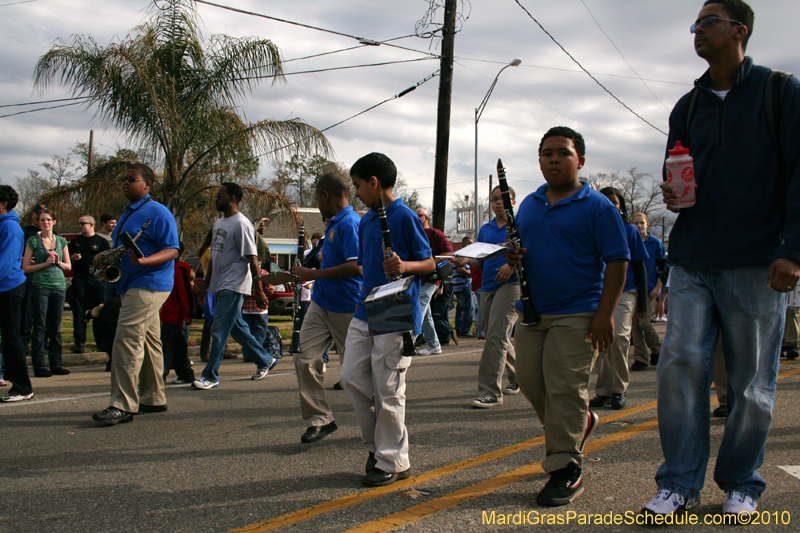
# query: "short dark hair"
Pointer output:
{"type": "Point", "coordinates": [334, 183]}
{"type": "Point", "coordinates": [144, 171]}
{"type": "Point", "coordinates": [9, 196]}
{"type": "Point", "coordinates": [105, 217]}
{"type": "Point", "coordinates": [511, 192]}
{"type": "Point", "coordinates": [608, 191]}
{"type": "Point", "coordinates": [569, 133]}
{"type": "Point", "coordinates": [739, 11]}
{"type": "Point", "coordinates": [234, 190]}
{"type": "Point", "coordinates": [316, 235]}
{"type": "Point", "coordinates": [378, 165]}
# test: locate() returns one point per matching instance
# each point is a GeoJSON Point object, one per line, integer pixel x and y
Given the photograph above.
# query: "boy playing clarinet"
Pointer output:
{"type": "Point", "coordinates": [575, 258]}
{"type": "Point", "coordinates": [373, 372]}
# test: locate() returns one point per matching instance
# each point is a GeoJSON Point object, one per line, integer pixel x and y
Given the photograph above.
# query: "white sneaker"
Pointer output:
{"type": "Point", "coordinates": [511, 389]}
{"type": "Point", "coordinates": [739, 503]}
{"type": "Point", "coordinates": [431, 350]}
{"type": "Point", "coordinates": [261, 373]}
{"type": "Point", "coordinates": [668, 502]}
{"type": "Point", "coordinates": [16, 397]}
{"type": "Point", "coordinates": [204, 384]}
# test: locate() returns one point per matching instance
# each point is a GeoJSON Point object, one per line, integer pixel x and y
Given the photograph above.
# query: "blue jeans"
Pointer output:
{"type": "Point", "coordinates": [426, 292]}
{"type": "Point", "coordinates": [258, 328]}
{"type": "Point", "coordinates": [476, 304]}
{"type": "Point", "coordinates": [751, 318]}
{"type": "Point", "coordinates": [47, 306]}
{"type": "Point", "coordinates": [228, 321]}
{"type": "Point", "coordinates": [464, 311]}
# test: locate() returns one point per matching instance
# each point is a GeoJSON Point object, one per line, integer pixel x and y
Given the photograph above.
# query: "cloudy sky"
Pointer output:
{"type": "Point", "coordinates": [641, 51]}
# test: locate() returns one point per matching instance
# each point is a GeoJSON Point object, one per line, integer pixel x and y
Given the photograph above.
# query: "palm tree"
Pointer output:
{"type": "Point", "coordinates": [176, 100]}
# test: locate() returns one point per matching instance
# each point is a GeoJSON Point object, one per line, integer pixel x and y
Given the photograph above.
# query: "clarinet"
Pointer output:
{"type": "Point", "coordinates": [530, 317]}
{"type": "Point", "coordinates": [408, 344]}
{"type": "Point", "coordinates": [298, 289]}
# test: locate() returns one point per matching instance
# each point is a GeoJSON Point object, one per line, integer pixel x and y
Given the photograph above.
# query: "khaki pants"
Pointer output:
{"type": "Point", "coordinates": [320, 328]}
{"type": "Point", "coordinates": [792, 330]}
{"type": "Point", "coordinates": [137, 365]}
{"type": "Point", "coordinates": [644, 334]}
{"type": "Point", "coordinates": [499, 316]}
{"type": "Point", "coordinates": [613, 374]}
{"type": "Point", "coordinates": [374, 376]}
{"type": "Point", "coordinates": [554, 364]}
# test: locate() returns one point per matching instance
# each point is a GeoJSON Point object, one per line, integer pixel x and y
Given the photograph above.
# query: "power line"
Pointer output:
{"type": "Point", "coordinates": [576, 71]}
{"type": "Point", "coordinates": [622, 56]}
{"type": "Point", "coordinates": [39, 109]}
{"type": "Point", "coordinates": [587, 72]}
{"type": "Point", "coordinates": [46, 101]}
{"type": "Point", "coordinates": [341, 68]}
{"type": "Point", "coordinates": [15, 3]}
{"type": "Point", "coordinates": [362, 40]}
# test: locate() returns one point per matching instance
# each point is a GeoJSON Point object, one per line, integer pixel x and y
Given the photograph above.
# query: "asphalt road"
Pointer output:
{"type": "Point", "coordinates": [231, 458]}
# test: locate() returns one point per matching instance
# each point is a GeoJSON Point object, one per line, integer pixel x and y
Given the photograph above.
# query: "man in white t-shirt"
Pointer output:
{"type": "Point", "coordinates": [231, 274]}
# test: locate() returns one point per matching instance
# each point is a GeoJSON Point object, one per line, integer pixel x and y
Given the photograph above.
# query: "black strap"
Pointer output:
{"type": "Point", "coordinates": [691, 107]}
{"type": "Point", "coordinates": [125, 218]}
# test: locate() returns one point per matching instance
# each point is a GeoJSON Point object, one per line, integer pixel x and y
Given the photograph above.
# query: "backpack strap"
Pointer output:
{"type": "Point", "coordinates": [774, 90]}
{"type": "Point", "coordinates": [691, 107]}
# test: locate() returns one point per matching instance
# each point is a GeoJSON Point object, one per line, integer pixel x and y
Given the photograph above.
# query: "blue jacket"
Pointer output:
{"type": "Point", "coordinates": [12, 246]}
{"type": "Point", "coordinates": [736, 221]}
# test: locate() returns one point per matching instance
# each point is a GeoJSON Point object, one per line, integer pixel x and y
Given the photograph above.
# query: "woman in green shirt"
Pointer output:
{"type": "Point", "coordinates": [47, 258]}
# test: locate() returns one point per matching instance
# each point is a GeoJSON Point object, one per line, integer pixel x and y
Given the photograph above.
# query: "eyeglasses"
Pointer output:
{"type": "Point", "coordinates": [85, 224]}
{"type": "Point", "coordinates": [496, 199]}
{"type": "Point", "coordinates": [128, 180]}
{"type": "Point", "coordinates": [709, 21]}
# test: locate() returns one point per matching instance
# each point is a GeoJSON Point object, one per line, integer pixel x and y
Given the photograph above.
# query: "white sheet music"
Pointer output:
{"type": "Point", "coordinates": [391, 288]}
{"type": "Point", "coordinates": [481, 251]}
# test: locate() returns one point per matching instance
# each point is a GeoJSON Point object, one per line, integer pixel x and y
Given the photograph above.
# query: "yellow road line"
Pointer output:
{"type": "Point", "coordinates": [353, 499]}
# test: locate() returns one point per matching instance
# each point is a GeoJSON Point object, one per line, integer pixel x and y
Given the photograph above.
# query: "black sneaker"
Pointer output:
{"type": "Point", "coordinates": [654, 358]}
{"type": "Point", "coordinates": [721, 411]}
{"type": "Point", "coordinates": [618, 401]}
{"type": "Point", "coordinates": [564, 486]}
{"type": "Point", "coordinates": [600, 401]}
{"type": "Point", "coordinates": [792, 353]}
{"type": "Point", "coordinates": [638, 365]}
{"type": "Point", "coordinates": [111, 416]}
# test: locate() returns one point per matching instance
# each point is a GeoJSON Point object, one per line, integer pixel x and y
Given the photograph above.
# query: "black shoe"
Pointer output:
{"type": "Point", "coordinates": [79, 348]}
{"type": "Point", "coordinates": [564, 486]}
{"type": "Point", "coordinates": [638, 365]}
{"type": "Point", "coordinates": [315, 433]}
{"type": "Point", "coordinates": [44, 373]}
{"type": "Point", "coordinates": [371, 462]}
{"type": "Point", "coordinates": [145, 409]}
{"type": "Point", "coordinates": [420, 341]}
{"type": "Point", "coordinates": [600, 401]}
{"type": "Point", "coordinates": [618, 401]}
{"type": "Point", "coordinates": [337, 386]}
{"type": "Point", "coordinates": [111, 416]}
{"type": "Point", "coordinates": [60, 371]}
{"type": "Point", "coordinates": [654, 358]}
{"type": "Point", "coordinates": [792, 353]}
{"type": "Point", "coordinates": [721, 412]}
{"type": "Point", "coordinates": [379, 478]}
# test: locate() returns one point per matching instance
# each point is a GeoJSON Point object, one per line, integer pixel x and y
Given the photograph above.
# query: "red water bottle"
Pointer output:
{"type": "Point", "coordinates": [680, 174]}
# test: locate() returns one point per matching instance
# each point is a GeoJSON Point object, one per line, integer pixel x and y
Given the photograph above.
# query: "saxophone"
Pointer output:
{"type": "Point", "coordinates": [109, 270]}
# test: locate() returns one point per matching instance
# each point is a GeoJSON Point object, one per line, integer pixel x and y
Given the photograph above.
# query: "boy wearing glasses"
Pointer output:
{"type": "Point", "coordinates": [575, 256]}
{"type": "Point", "coordinates": [732, 282]}
{"type": "Point", "coordinates": [87, 291]}
{"type": "Point", "coordinates": [137, 363]}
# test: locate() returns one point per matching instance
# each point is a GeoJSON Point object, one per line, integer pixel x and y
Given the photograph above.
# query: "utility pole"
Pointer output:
{"type": "Point", "coordinates": [443, 114]}
{"type": "Point", "coordinates": [91, 153]}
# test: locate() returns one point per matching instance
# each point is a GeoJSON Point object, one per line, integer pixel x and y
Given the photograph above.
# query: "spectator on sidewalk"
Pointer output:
{"type": "Point", "coordinates": [175, 314]}
{"type": "Point", "coordinates": [87, 291]}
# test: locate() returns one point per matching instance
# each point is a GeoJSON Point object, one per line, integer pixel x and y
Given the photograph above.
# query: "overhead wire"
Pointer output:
{"type": "Point", "coordinates": [341, 68]}
{"type": "Point", "coordinates": [15, 3]}
{"type": "Point", "coordinates": [362, 40]}
{"type": "Point", "coordinates": [46, 101]}
{"type": "Point", "coordinates": [589, 73]}
{"type": "Point", "coordinates": [622, 56]}
{"type": "Point", "coordinates": [39, 109]}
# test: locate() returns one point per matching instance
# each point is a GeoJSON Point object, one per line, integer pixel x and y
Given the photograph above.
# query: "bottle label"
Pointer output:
{"type": "Point", "coordinates": [687, 174]}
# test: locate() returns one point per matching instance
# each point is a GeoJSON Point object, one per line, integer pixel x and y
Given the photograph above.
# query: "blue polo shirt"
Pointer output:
{"type": "Point", "coordinates": [340, 246]}
{"type": "Point", "coordinates": [409, 243]}
{"type": "Point", "coordinates": [493, 234]}
{"type": "Point", "coordinates": [159, 235]}
{"type": "Point", "coordinates": [655, 250]}
{"type": "Point", "coordinates": [638, 253]}
{"type": "Point", "coordinates": [569, 244]}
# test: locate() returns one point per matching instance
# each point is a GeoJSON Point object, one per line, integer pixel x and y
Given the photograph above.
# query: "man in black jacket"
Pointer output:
{"type": "Point", "coordinates": [735, 280]}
